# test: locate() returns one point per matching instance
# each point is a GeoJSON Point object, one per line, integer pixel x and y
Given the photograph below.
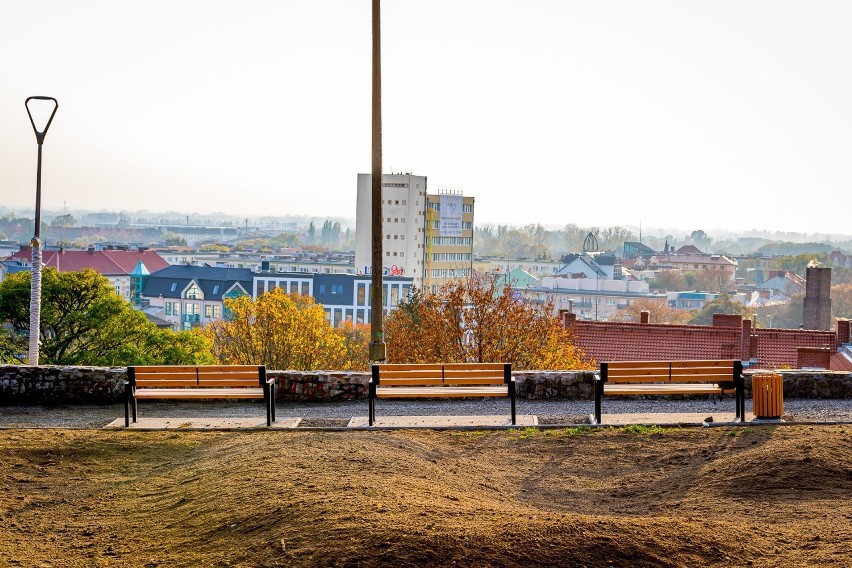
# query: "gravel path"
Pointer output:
{"type": "Point", "coordinates": [339, 413]}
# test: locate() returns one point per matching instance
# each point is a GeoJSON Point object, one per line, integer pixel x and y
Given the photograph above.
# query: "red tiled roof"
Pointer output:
{"type": "Point", "coordinates": [611, 341]}
{"type": "Point", "coordinates": [106, 262]}
{"type": "Point", "coordinates": [777, 348]}
{"type": "Point", "coordinates": [840, 362]}
{"type": "Point", "coordinates": [615, 341]}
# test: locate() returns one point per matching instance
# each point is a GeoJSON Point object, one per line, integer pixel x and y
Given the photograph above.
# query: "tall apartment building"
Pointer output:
{"type": "Point", "coordinates": [427, 237]}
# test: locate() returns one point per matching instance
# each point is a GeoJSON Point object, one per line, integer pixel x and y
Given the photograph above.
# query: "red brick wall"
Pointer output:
{"type": "Point", "coordinates": [813, 357]}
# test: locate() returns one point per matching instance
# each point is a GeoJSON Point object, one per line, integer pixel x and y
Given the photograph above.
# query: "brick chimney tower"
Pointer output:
{"type": "Point", "coordinates": [817, 310]}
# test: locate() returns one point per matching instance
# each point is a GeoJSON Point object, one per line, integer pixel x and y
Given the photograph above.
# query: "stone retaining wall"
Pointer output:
{"type": "Point", "coordinates": [51, 385]}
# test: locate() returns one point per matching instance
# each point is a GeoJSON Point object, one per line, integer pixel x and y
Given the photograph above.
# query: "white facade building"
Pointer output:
{"type": "Point", "coordinates": [421, 241]}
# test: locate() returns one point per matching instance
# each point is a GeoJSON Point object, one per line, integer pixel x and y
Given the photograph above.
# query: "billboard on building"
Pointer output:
{"type": "Point", "coordinates": [450, 223]}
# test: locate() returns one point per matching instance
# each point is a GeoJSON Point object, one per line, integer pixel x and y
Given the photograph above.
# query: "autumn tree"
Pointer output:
{"type": "Point", "coordinates": [279, 330]}
{"type": "Point", "coordinates": [670, 280]}
{"type": "Point", "coordinates": [84, 322]}
{"type": "Point", "coordinates": [658, 312]}
{"type": "Point", "coordinates": [724, 304]}
{"type": "Point", "coordinates": [841, 300]}
{"type": "Point", "coordinates": [356, 347]}
{"type": "Point", "coordinates": [478, 320]}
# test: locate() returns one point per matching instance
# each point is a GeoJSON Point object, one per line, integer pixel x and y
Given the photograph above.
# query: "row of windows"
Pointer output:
{"type": "Point", "coordinates": [397, 291]}
{"type": "Point", "coordinates": [399, 237]}
{"type": "Point", "coordinates": [436, 206]}
{"type": "Point", "coordinates": [450, 256]}
{"type": "Point", "coordinates": [450, 272]}
{"type": "Point", "coordinates": [290, 286]}
{"type": "Point", "coordinates": [396, 219]}
{"type": "Point", "coordinates": [392, 202]}
{"type": "Point", "coordinates": [394, 254]}
{"type": "Point", "coordinates": [466, 225]}
{"type": "Point", "coordinates": [449, 241]}
{"type": "Point", "coordinates": [211, 311]}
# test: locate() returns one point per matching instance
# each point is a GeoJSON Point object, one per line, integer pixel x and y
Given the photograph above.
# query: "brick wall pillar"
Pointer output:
{"type": "Point", "coordinates": [813, 357]}
{"type": "Point", "coordinates": [745, 343]}
{"type": "Point", "coordinates": [843, 331]}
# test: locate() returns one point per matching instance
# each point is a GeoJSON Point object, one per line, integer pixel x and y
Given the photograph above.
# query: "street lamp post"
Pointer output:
{"type": "Point", "coordinates": [377, 341]}
{"type": "Point", "coordinates": [35, 280]}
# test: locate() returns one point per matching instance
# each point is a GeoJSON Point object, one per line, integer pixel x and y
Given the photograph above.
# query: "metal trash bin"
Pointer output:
{"type": "Point", "coordinates": [767, 390]}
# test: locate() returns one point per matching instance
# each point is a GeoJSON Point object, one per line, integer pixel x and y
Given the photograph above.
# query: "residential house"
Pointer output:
{"type": "Point", "coordinates": [116, 265]}
{"type": "Point", "coordinates": [192, 296]}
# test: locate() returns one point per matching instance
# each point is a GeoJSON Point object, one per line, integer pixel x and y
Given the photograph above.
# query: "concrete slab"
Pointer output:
{"type": "Point", "coordinates": [443, 421]}
{"type": "Point", "coordinates": [670, 418]}
{"type": "Point", "coordinates": [216, 423]}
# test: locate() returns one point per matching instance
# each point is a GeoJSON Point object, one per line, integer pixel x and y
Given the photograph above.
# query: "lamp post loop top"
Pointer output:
{"type": "Point", "coordinates": [41, 134]}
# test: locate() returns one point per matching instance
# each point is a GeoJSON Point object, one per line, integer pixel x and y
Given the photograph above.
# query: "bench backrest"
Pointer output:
{"type": "Point", "coordinates": [712, 371]}
{"type": "Point", "coordinates": [442, 374]}
{"type": "Point", "coordinates": [197, 376]}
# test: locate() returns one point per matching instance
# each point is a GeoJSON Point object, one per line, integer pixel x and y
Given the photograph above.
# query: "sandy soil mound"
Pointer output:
{"type": "Point", "coordinates": [637, 496]}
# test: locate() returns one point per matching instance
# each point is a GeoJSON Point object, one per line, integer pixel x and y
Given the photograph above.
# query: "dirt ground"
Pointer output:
{"type": "Point", "coordinates": [633, 496]}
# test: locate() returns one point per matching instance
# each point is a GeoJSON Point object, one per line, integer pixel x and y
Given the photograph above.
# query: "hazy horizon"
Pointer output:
{"type": "Point", "coordinates": [714, 116]}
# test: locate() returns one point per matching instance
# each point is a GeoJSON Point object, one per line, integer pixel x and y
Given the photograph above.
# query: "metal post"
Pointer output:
{"type": "Point", "coordinates": [377, 343]}
{"type": "Point", "coordinates": [35, 279]}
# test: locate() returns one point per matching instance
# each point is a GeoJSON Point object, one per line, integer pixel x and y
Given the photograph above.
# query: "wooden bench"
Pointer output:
{"type": "Point", "coordinates": [440, 380]}
{"type": "Point", "coordinates": [184, 382]}
{"type": "Point", "coordinates": [631, 378]}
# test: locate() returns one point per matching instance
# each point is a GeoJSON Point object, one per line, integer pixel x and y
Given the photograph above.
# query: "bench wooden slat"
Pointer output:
{"type": "Point", "coordinates": [411, 381]}
{"type": "Point", "coordinates": [703, 378]}
{"type": "Point", "coordinates": [425, 374]}
{"type": "Point", "coordinates": [170, 382]}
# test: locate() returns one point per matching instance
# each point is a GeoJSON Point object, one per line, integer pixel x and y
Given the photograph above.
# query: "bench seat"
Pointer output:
{"type": "Point", "coordinates": [670, 388]}
{"type": "Point", "coordinates": [431, 392]}
{"type": "Point", "coordinates": [200, 393]}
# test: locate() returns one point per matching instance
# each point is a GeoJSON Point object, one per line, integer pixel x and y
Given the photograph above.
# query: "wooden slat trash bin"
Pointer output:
{"type": "Point", "coordinates": [768, 392]}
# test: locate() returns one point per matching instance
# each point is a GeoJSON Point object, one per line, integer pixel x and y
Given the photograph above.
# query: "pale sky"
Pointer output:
{"type": "Point", "coordinates": [694, 115]}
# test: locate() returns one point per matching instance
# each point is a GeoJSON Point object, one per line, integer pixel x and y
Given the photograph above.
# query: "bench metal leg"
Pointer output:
{"type": "Point", "coordinates": [126, 413]}
{"type": "Point", "coordinates": [272, 400]}
{"type": "Point", "coordinates": [598, 397]}
{"type": "Point", "coordinates": [513, 396]}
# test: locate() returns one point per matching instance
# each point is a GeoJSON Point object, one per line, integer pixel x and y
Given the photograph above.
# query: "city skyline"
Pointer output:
{"type": "Point", "coordinates": [718, 116]}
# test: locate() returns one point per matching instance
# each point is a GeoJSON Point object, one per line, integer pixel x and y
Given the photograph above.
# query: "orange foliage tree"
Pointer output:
{"type": "Point", "coordinates": [279, 330]}
{"type": "Point", "coordinates": [479, 320]}
{"type": "Point", "coordinates": [658, 312]}
{"type": "Point", "coordinates": [356, 347]}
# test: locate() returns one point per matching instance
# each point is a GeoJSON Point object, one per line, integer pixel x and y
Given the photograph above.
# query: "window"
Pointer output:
{"type": "Point", "coordinates": [402, 237]}
{"type": "Point", "coordinates": [208, 311]}
{"type": "Point", "coordinates": [337, 289]}
{"type": "Point", "coordinates": [175, 308]}
{"type": "Point", "coordinates": [194, 292]}
{"type": "Point", "coordinates": [216, 314]}
{"type": "Point", "coordinates": [361, 299]}
{"type": "Point", "coordinates": [168, 308]}
{"type": "Point", "coordinates": [467, 208]}
{"type": "Point", "coordinates": [174, 287]}
{"type": "Point", "coordinates": [322, 288]}
{"type": "Point", "coordinates": [305, 289]}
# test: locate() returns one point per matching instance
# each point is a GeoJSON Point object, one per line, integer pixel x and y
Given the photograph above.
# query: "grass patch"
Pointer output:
{"type": "Point", "coordinates": [642, 429]}
{"type": "Point", "coordinates": [531, 432]}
